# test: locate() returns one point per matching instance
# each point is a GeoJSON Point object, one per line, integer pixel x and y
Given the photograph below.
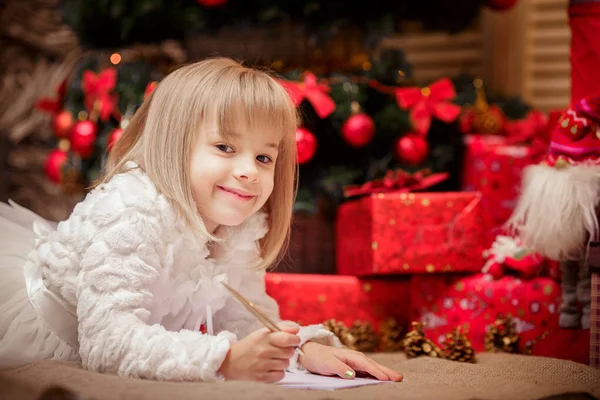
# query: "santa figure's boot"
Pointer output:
{"type": "Point", "coordinates": [584, 294]}
{"type": "Point", "coordinates": [570, 314]}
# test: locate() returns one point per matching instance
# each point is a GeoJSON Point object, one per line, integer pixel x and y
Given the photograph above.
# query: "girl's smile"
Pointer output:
{"type": "Point", "coordinates": [237, 193]}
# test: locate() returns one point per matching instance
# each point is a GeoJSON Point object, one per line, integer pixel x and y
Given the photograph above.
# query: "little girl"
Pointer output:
{"type": "Point", "coordinates": [198, 191]}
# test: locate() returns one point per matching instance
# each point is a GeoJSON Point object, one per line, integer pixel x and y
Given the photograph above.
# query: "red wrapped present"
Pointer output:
{"type": "Point", "coordinates": [494, 167]}
{"type": "Point", "coordinates": [312, 299]}
{"type": "Point", "coordinates": [407, 233]}
{"type": "Point", "coordinates": [474, 303]}
{"type": "Point", "coordinates": [508, 255]}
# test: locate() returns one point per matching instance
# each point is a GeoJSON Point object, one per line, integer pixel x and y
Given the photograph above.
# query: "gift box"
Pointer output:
{"type": "Point", "coordinates": [311, 299]}
{"type": "Point", "coordinates": [475, 302]}
{"type": "Point", "coordinates": [410, 233]}
{"type": "Point", "coordinates": [494, 167]}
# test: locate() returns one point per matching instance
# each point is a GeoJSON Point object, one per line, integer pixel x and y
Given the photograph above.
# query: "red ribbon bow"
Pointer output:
{"type": "Point", "coordinates": [97, 90]}
{"type": "Point", "coordinates": [427, 102]}
{"type": "Point", "coordinates": [397, 181]}
{"type": "Point", "coordinates": [523, 262]}
{"type": "Point", "coordinates": [51, 105]}
{"type": "Point", "coordinates": [531, 128]}
{"type": "Point", "coordinates": [316, 93]}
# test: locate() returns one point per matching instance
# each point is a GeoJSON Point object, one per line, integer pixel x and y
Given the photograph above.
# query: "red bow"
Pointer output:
{"type": "Point", "coordinates": [397, 181]}
{"type": "Point", "coordinates": [427, 102]}
{"type": "Point", "coordinates": [508, 255]}
{"type": "Point", "coordinates": [53, 105]}
{"type": "Point", "coordinates": [531, 128]}
{"type": "Point", "coordinates": [316, 93]}
{"type": "Point", "coordinates": [97, 88]}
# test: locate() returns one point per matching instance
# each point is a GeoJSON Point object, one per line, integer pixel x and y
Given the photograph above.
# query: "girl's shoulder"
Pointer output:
{"type": "Point", "coordinates": [131, 190]}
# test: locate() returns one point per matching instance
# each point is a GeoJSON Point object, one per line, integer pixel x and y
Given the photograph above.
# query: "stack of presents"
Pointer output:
{"type": "Point", "coordinates": [424, 269]}
{"type": "Point", "coordinates": [443, 260]}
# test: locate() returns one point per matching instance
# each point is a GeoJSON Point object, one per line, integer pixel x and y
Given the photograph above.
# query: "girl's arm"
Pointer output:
{"type": "Point", "coordinates": [119, 267]}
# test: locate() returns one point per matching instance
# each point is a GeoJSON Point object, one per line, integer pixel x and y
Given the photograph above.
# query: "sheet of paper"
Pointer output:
{"type": "Point", "coordinates": [319, 382]}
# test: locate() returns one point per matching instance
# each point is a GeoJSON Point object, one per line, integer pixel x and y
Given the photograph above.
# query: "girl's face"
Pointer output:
{"type": "Point", "coordinates": [232, 179]}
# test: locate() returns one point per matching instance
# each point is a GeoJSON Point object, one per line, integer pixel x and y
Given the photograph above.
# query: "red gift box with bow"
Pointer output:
{"type": "Point", "coordinates": [313, 299]}
{"type": "Point", "coordinates": [391, 230]}
{"type": "Point", "coordinates": [474, 302]}
{"type": "Point", "coordinates": [494, 165]}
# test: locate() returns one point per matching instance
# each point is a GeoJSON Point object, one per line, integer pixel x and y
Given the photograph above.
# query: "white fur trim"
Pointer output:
{"type": "Point", "coordinates": [556, 212]}
{"type": "Point", "coordinates": [314, 333]}
{"type": "Point", "coordinates": [503, 247]}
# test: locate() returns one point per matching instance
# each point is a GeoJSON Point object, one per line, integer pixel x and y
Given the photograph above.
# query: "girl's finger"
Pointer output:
{"type": "Point", "coordinates": [289, 328]}
{"type": "Point", "coordinates": [359, 362]}
{"type": "Point", "coordinates": [283, 339]}
{"type": "Point", "coordinates": [277, 364]}
{"type": "Point", "coordinates": [282, 353]}
{"type": "Point", "coordinates": [272, 376]}
{"type": "Point", "coordinates": [337, 367]}
{"type": "Point", "coordinates": [393, 375]}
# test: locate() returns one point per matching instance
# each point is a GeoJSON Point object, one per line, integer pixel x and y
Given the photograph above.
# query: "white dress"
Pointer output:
{"type": "Point", "coordinates": [123, 286]}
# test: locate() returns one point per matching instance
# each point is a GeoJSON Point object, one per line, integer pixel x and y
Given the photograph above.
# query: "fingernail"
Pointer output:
{"type": "Point", "coordinates": [349, 374]}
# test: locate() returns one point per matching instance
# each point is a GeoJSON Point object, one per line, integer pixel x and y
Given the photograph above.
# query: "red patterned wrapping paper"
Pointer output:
{"type": "Point", "coordinates": [312, 299]}
{"type": "Point", "coordinates": [408, 233]}
{"type": "Point", "coordinates": [494, 167]}
{"type": "Point", "coordinates": [474, 302]}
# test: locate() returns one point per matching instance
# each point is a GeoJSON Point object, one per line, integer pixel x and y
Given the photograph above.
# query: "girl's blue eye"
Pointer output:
{"type": "Point", "coordinates": [224, 148]}
{"type": "Point", "coordinates": [264, 159]}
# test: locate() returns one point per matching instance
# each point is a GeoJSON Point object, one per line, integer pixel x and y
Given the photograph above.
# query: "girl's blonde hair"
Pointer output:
{"type": "Point", "coordinates": [161, 134]}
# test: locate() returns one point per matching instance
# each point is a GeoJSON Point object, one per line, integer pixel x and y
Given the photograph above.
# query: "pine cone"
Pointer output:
{"type": "Point", "coordinates": [339, 329]}
{"type": "Point", "coordinates": [416, 344]}
{"type": "Point", "coordinates": [362, 337]}
{"type": "Point", "coordinates": [391, 336]}
{"type": "Point", "coordinates": [457, 347]}
{"type": "Point", "coordinates": [502, 336]}
{"type": "Point", "coordinates": [528, 348]}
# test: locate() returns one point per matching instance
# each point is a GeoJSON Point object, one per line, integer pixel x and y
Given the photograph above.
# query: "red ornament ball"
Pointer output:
{"type": "Point", "coordinates": [211, 3]}
{"type": "Point", "coordinates": [501, 5]}
{"type": "Point", "coordinates": [62, 122]}
{"type": "Point", "coordinates": [306, 143]}
{"type": "Point", "coordinates": [358, 130]}
{"type": "Point", "coordinates": [83, 138]}
{"type": "Point", "coordinates": [114, 136]}
{"type": "Point", "coordinates": [54, 165]}
{"type": "Point", "coordinates": [412, 149]}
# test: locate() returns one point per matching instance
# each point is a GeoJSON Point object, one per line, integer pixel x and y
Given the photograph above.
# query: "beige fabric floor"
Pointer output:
{"type": "Point", "coordinates": [495, 376]}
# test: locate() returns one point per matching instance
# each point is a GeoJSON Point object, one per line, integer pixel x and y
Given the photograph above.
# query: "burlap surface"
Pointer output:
{"type": "Point", "coordinates": [495, 376]}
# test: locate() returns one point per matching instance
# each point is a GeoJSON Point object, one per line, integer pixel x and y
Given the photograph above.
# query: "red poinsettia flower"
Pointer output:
{"type": "Point", "coordinates": [53, 105]}
{"type": "Point", "coordinates": [97, 90]}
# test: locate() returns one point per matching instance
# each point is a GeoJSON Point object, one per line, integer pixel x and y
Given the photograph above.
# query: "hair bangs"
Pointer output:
{"type": "Point", "coordinates": [255, 103]}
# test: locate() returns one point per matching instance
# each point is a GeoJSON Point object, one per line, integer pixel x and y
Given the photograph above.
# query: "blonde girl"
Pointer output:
{"type": "Point", "coordinates": [198, 191]}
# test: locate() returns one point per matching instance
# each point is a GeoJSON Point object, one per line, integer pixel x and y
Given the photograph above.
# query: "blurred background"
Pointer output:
{"type": "Point", "coordinates": [382, 86]}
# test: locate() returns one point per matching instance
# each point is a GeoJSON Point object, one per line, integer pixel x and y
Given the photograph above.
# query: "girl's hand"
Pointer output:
{"type": "Point", "coordinates": [261, 356]}
{"type": "Point", "coordinates": [345, 363]}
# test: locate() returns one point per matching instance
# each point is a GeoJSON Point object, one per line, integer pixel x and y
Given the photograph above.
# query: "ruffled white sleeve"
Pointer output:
{"type": "Point", "coordinates": [124, 221]}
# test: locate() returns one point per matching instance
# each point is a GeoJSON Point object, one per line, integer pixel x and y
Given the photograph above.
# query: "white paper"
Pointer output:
{"type": "Point", "coordinates": [320, 382]}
